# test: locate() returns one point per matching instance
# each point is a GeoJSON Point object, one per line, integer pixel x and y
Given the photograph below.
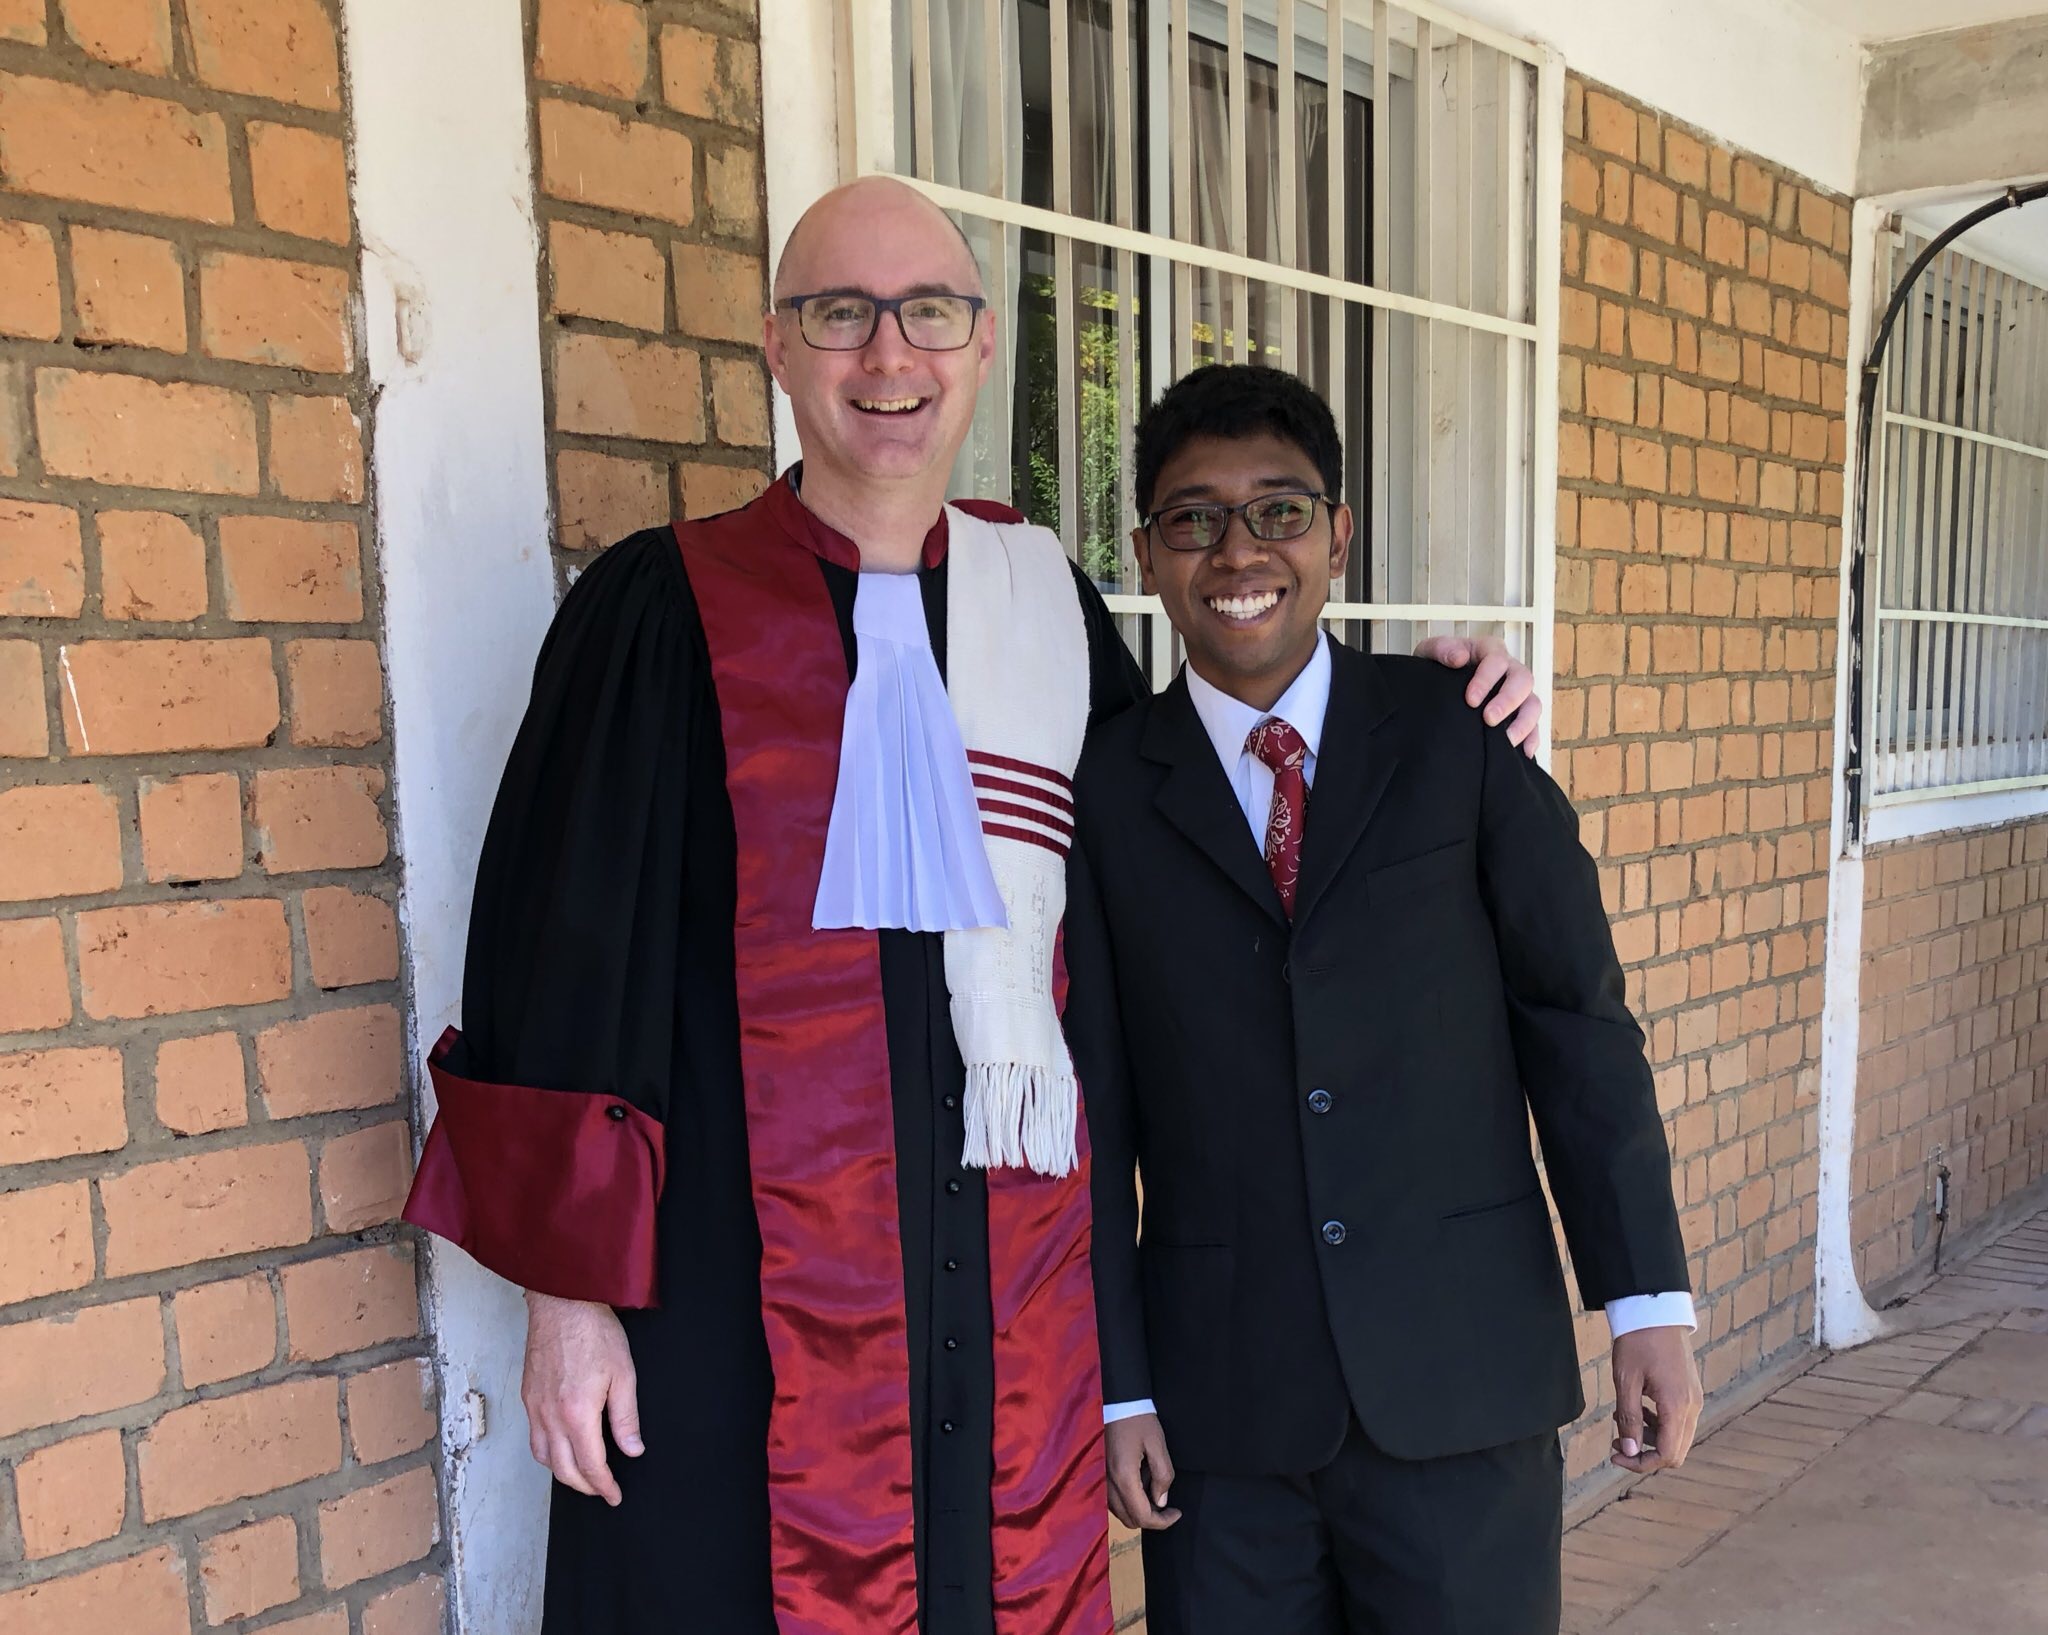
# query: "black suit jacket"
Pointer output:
{"type": "Point", "coordinates": [1341, 1204]}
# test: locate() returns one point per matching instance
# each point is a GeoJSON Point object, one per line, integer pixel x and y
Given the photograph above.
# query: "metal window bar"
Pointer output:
{"type": "Point", "coordinates": [1483, 301]}
{"type": "Point", "coordinates": [1960, 615]}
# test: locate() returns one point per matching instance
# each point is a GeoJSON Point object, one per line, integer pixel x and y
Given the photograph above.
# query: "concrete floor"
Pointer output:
{"type": "Point", "coordinates": [1929, 1511]}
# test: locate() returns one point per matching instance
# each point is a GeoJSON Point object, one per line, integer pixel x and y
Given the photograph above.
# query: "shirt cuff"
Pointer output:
{"type": "Point", "coordinates": [1634, 1311]}
{"type": "Point", "coordinates": [1114, 1411]}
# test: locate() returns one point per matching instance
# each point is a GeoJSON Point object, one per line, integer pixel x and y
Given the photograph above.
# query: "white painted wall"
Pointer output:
{"type": "Point", "coordinates": [1762, 74]}
{"type": "Point", "coordinates": [444, 194]}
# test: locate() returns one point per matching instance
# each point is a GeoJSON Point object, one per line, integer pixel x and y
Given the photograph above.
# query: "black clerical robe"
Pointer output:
{"type": "Point", "coordinates": [601, 960]}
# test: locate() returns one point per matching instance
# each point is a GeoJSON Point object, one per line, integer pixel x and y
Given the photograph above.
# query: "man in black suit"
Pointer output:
{"type": "Point", "coordinates": [1323, 1053]}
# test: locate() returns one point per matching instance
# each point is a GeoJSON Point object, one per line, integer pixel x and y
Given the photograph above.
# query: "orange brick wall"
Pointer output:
{"type": "Point", "coordinates": [647, 131]}
{"type": "Point", "coordinates": [213, 1398]}
{"type": "Point", "coordinates": [1954, 1041]}
{"type": "Point", "coordinates": [1700, 455]}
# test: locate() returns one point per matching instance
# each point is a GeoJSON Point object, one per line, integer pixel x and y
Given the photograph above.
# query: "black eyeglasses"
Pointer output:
{"type": "Point", "coordinates": [846, 320]}
{"type": "Point", "coordinates": [1271, 518]}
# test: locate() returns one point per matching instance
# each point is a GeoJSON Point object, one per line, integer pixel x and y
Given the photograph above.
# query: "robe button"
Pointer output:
{"type": "Point", "coordinates": [952, 1344]}
{"type": "Point", "coordinates": [1319, 1101]}
{"type": "Point", "coordinates": [952, 1186]}
{"type": "Point", "coordinates": [615, 1113]}
{"type": "Point", "coordinates": [1334, 1233]}
{"type": "Point", "coordinates": [952, 1265]}
{"type": "Point", "coordinates": [950, 1103]}
{"type": "Point", "coordinates": [946, 1427]}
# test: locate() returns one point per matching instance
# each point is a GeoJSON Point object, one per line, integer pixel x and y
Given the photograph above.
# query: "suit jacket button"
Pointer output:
{"type": "Point", "coordinates": [1333, 1233]}
{"type": "Point", "coordinates": [1319, 1101]}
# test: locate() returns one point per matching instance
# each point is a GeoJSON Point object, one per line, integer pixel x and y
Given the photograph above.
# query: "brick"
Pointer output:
{"type": "Point", "coordinates": [142, 1595]}
{"type": "Point", "coordinates": [58, 840]}
{"type": "Point", "coordinates": [600, 45]}
{"type": "Point", "coordinates": [145, 433]}
{"type": "Point", "coordinates": [739, 392]}
{"type": "Point", "coordinates": [331, 1061]}
{"type": "Point", "coordinates": [1610, 263]}
{"type": "Point", "coordinates": [257, 309]}
{"type": "Point", "coordinates": [319, 817]}
{"type": "Point", "coordinates": [364, 1176]}
{"type": "Point", "coordinates": [45, 1241]}
{"type": "Point", "coordinates": [113, 148]}
{"type": "Point", "coordinates": [349, 1302]}
{"type": "Point", "coordinates": [127, 33]}
{"type": "Point", "coordinates": [708, 490]}
{"type": "Point", "coordinates": [201, 1084]}
{"type": "Point", "coordinates": [337, 692]}
{"type": "Point", "coordinates": [418, 1608]}
{"type": "Point", "coordinates": [239, 1446]}
{"type": "Point", "coordinates": [71, 1494]}
{"type": "Point", "coordinates": [608, 386]}
{"type": "Point", "coordinates": [721, 295]}
{"type": "Point", "coordinates": [732, 188]}
{"type": "Point", "coordinates": [281, 49]}
{"type": "Point", "coordinates": [42, 561]}
{"type": "Point", "coordinates": [351, 937]}
{"type": "Point", "coordinates": [390, 1410]}
{"type": "Point", "coordinates": [191, 827]}
{"type": "Point", "coordinates": [711, 76]}
{"type": "Point", "coordinates": [375, 1529]}
{"type": "Point", "coordinates": [161, 958]}
{"type": "Point", "coordinates": [89, 1361]}
{"type": "Point", "coordinates": [179, 1211]}
{"type": "Point", "coordinates": [29, 303]}
{"type": "Point", "coordinates": [299, 179]}
{"type": "Point", "coordinates": [152, 566]}
{"type": "Point", "coordinates": [58, 1103]}
{"type": "Point", "coordinates": [616, 277]}
{"type": "Point", "coordinates": [316, 449]}
{"type": "Point", "coordinates": [24, 721]}
{"type": "Point", "coordinates": [35, 991]}
{"type": "Point", "coordinates": [334, 1621]}
{"type": "Point", "coordinates": [280, 569]}
{"type": "Point", "coordinates": [588, 156]}
{"type": "Point", "coordinates": [601, 499]}
{"type": "Point", "coordinates": [250, 1569]}
{"type": "Point", "coordinates": [1611, 126]}
{"type": "Point", "coordinates": [225, 1329]}
{"type": "Point", "coordinates": [129, 288]}
{"type": "Point", "coordinates": [24, 21]}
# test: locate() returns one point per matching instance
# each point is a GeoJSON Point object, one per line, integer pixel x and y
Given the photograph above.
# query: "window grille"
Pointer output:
{"type": "Point", "coordinates": [1155, 184]}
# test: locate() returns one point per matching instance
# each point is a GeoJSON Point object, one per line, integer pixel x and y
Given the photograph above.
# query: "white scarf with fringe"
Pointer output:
{"type": "Point", "coordinates": [1017, 682]}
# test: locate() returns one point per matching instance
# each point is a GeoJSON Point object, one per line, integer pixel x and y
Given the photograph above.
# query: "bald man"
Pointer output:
{"type": "Point", "coordinates": [761, 1092]}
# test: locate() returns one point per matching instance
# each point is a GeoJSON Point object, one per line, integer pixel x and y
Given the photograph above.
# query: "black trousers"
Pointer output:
{"type": "Point", "coordinates": [1368, 1545]}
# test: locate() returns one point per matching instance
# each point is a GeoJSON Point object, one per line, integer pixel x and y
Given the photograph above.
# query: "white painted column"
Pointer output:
{"type": "Point", "coordinates": [1841, 1316]}
{"type": "Point", "coordinates": [444, 197]}
{"type": "Point", "coordinates": [800, 44]}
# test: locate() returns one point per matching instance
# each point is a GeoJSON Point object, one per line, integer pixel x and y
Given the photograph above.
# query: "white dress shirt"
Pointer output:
{"type": "Point", "coordinates": [1229, 722]}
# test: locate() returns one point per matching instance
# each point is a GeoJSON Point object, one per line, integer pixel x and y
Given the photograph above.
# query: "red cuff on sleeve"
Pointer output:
{"type": "Point", "coordinates": [552, 1189]}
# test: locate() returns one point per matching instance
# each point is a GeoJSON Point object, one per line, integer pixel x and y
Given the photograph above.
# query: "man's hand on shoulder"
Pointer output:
{"type": "Point", "coordinates": [1140, 1473]}
{"type": "Point", "coordinates": [1497, 668]}
{"type": "Point", "coordinates": [578, 1367]}
{"type": "Point", "coordinates": [1654, 1366]}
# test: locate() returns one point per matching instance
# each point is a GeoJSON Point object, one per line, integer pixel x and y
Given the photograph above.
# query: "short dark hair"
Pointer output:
{"type": "Point", "coordinates": [1237, 400]}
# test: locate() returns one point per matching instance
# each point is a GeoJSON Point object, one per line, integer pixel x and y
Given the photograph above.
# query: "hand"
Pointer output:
{"type": "Point", "coordinates": [1497, 666]}
{"type": "Point", "coordinates": [1140, 1473]}
{"type": "Point", "coordinates": [578, 1366]}
{"type": "Point", "coordinates": [1654, 1364]}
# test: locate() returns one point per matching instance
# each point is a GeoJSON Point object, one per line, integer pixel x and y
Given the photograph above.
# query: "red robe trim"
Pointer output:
{"type": "Point", "coordinates": [502, 1156]}
{"type": "Point", "coordinates": [821, 1143]}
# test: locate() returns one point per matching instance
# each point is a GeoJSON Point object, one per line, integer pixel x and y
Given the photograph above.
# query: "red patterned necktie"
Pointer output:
{"type": "Point", "coordinates": [1277, 744]}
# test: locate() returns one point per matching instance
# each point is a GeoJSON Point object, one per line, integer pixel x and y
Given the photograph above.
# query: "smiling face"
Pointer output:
{"type": "Point", "coordinates": [887, 412]}
{"type": "Point", "coordinates": [1247, 608]}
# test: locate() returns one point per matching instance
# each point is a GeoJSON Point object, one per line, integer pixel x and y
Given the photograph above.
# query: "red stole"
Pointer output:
{"type": "Point", "coordinates": [821, 1141]}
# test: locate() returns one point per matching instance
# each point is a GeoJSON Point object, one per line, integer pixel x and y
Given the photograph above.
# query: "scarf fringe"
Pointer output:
{"type": "Point", "coordinates": [1022, 1116]}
